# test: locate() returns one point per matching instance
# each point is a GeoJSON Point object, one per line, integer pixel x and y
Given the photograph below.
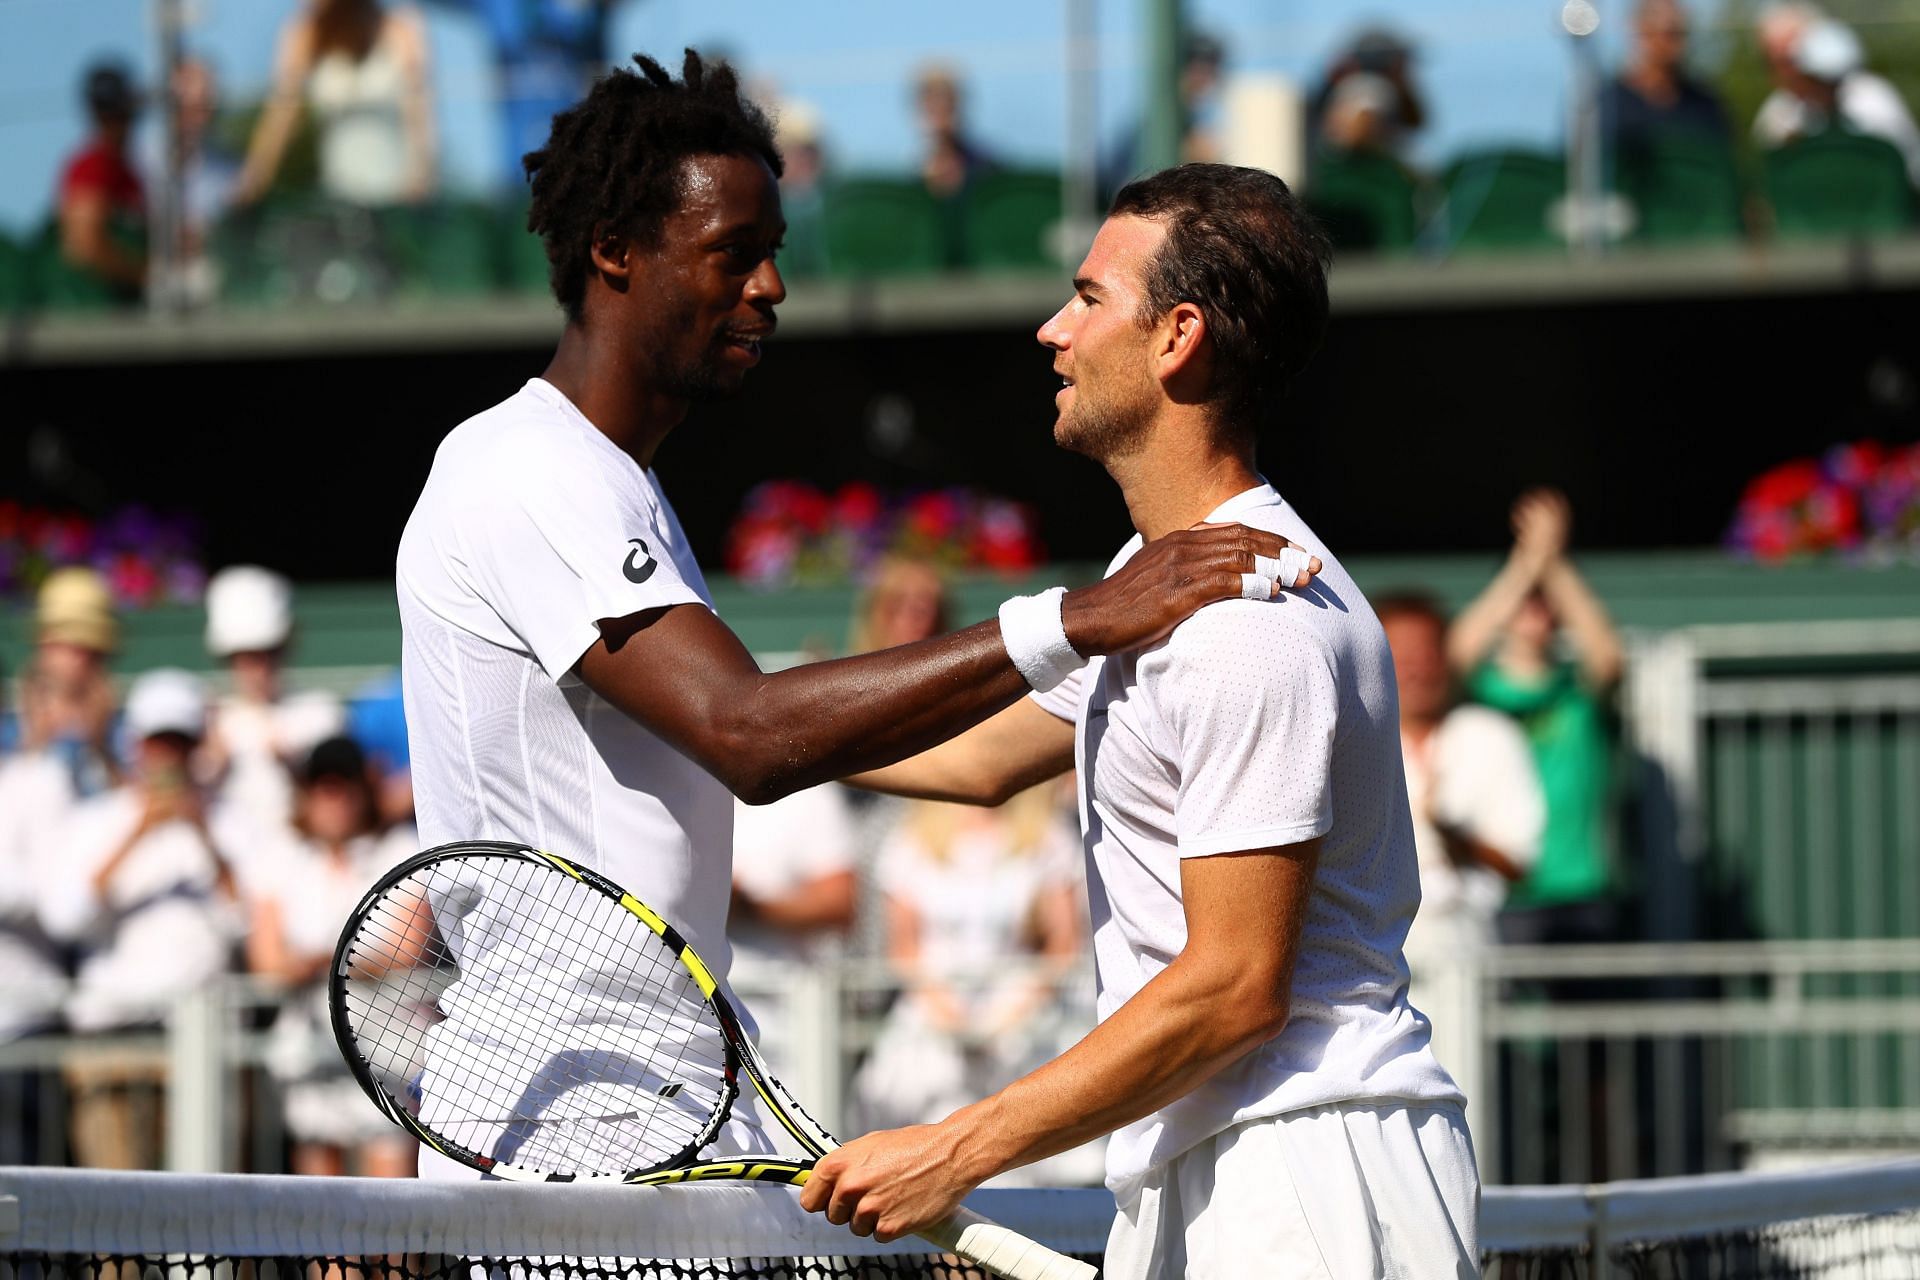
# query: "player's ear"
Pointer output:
{"type": "Point", "coordinates": [611, 253]}
{"type": "Point", "coordinates": [1183, 351]}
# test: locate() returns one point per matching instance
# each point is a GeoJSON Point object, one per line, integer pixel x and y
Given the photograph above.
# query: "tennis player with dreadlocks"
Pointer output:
{"type": "Point", "coordinates": [567, 683]}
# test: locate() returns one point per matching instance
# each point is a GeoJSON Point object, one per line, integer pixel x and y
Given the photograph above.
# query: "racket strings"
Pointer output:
{"type": "Point", "coordinates": [529, 1019]}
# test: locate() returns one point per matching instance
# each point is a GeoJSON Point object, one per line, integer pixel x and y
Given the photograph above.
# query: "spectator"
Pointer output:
{"type": "Point", "coordinates": [1382, 111]}
{"type": "Point", "coordinates": [68, 704]}
{"type": "Point", "coordinates": [1654, 96]}
{"type": "Point", "coordinates": [145, 892]}
{"type": "Point", "coordinates": [258, 730]}
{"type": "Point", "coordinates": [794, 885]}
{"type": "Point", "coordinates": [905, 602]}
{"type": "Point", "coordinates": [208, 170]}
{"type": "Point", "coordinates": [377, 720]}
{"type": "Point", "coordinates": [1202, 60]}
{"type": "Point", "coordinates": [102, 203]}
{"type": "Point", "coordinates": [952, 159]}
{"type": "Point", "coordinates": [31, 975]}
{"type": "Point", "coordinates": [802, 193]}
{"type": "Point", "coordinates": [1824, 84]}
{"type": "Point", "coordinates": [1504, 645]}
{"type": "Point", "coordinates": [333, 855]}
{"type": "Point", "coordinates": [1477, 817]}
{"type": "Point", "coordinates": [984, 917]}
{"type": "Point", "coordinates": [547, 53]}
{"type": "Point", "coordinates": [362, 70]}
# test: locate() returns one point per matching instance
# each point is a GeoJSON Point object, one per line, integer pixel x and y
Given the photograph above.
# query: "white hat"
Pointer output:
{"type": "Point", "coordinates": [1828, 50]}
{"type": "Point", "coordinates": [248, 609]}
{"type": "Point", "coordinates": [166, 700]}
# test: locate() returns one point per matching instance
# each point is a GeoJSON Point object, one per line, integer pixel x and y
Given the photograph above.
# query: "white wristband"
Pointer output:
{"type": "Point", "coordinates": [1036, 641]}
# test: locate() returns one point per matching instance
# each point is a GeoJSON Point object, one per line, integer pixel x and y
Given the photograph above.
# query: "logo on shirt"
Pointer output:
{"type": "Point", "coordinates": [635, 570]}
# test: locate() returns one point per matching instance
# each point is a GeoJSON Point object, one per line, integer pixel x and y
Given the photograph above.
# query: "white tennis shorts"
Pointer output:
{"type": "Point", "coordinates": [1344, 1192]}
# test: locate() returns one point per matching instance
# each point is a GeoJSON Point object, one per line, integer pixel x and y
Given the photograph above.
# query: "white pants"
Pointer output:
{"type": "Point", "coordinates": [1352, 1192]}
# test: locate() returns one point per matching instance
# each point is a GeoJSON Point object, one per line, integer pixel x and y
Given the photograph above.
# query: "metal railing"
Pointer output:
{"type": "Point", "coordinates": [1582, 1064]}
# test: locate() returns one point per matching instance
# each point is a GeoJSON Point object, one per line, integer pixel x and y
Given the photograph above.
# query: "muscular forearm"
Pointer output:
{"type": "Point", "coordinates": [812, 724]}
{"type": "Point", "coordinates": [1180, 1029]}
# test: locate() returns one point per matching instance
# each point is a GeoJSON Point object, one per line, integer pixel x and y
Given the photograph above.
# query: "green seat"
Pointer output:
{"type": "Point", "coordinates": [17, 291]}
{"type": "Point", "coordinates": [1504, 200]}
{"type": "Point", "coordinates": [883, 226]}
{"type": "Point", "coordinates": [60, 285]}
{"type": "Point", "coordinates": [1010, 217]}
{"type": "Point", "coordinates": [1838, 184]}
{"type": "Point", "coordinates": [1683, 187]}
{"type": "Point", "coordinates": [1366, 201]}
{"type": "Point", "coordinates": [522, 255]}
{"type": "Point", "coordinates": [447, 249]}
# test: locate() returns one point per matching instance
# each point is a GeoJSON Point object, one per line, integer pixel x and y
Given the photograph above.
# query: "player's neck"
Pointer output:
{"type": "Point", "coordinates": [1175, 482]}
{"type": "Point", "coordinates": [604, 386]}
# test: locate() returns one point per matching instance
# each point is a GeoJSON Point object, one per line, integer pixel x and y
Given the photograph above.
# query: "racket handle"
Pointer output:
{"type": "Point", "coordinates": [1002, 1251]}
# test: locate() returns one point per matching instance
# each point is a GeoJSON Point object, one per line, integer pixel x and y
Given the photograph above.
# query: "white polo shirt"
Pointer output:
{"type": "Point", "coordinates": [1257, 724]}
{"type": "Point", "coordinates": [533, 528]}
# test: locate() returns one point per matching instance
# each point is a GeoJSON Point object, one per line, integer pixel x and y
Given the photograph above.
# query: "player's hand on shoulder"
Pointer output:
{"type": "Point", "coordinates": [1172, 576]}
{"type": "Point", "coordinates": [888, 1184]}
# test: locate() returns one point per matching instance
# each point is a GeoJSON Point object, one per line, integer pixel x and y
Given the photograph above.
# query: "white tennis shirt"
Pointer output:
{"type": "Point", "coordinates": [1257, 724]}
{"type": "Point", "coordinates": [533, 528]}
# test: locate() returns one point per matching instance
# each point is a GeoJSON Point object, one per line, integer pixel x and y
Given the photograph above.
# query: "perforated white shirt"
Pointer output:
{"type": "Point", "coordinates": [1257, 724]}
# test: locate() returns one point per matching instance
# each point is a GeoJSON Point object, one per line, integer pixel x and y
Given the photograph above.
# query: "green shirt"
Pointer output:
{"type": "Point", "coordinates": [1566, 724]}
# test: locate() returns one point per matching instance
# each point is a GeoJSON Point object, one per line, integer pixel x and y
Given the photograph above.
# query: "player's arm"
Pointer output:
{"type": "Point", "coordinates": [989, 764]}
{"type": "Point", "coordinates": [681, 672]}
{"type": "Point", "coordinates": [1227, 992]}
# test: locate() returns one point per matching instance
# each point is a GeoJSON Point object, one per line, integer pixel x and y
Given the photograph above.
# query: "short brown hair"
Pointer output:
{"type": "Point", "coordinates": [1241, 248]}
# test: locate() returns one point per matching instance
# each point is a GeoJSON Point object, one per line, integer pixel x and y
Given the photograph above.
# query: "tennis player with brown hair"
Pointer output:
{"type": "Point", "coordinates": [1274, 1106]}
{"type": "Point", "coordinates": [567, 682]}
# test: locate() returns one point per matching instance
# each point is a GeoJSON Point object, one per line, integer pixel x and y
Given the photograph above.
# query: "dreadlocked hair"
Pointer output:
{"type": "Point", "coordinates": [614, 160]}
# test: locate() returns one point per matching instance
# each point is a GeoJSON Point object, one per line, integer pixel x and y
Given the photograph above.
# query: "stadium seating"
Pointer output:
{"type": "Point", "coordinates": [521, 255]}
{"type": "Point", "coordinates": [16, 277]}
{"type": "Point", "coordinates": [60, 286]}
{"type": "Point", "coordinates": [877, 226]}
{"type": "Point", "coordinates": [1009, 219]}
{"type": "Point", "coordinates": [1683, 187]}
{"type": "Point", "coordinates": [445, 249]}
{"type": "Point", "coordinates": [1503, 199]}
{"type": "Point", "coordinates": [1365, 201]}
{"type": "Point", "coordinates": [1838, 184]}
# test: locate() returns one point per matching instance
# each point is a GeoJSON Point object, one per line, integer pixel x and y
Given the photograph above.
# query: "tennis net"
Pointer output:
{"type": "Point", "coordinates": [1855, 1223]}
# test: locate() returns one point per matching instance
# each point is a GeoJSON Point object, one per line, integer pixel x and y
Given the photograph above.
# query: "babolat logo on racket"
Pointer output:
{"type": "Point", "coordinates": [672, 1090]}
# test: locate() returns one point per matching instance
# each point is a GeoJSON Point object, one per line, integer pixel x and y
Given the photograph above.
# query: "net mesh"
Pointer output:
{"type": "Point", "coordinates": [1861, 1223]}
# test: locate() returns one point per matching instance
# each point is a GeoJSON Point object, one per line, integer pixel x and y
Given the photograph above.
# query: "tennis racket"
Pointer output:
{"type": "Point", "coordinates": [530, 1019]}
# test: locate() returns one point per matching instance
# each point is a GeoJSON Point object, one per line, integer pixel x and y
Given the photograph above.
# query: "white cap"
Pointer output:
{"type": "Point", "coordinates": [166, 700]}
{"type": "Point", "coordinates": [248, 608]}
{"type": "Point", "coordinates": [1828, 50]}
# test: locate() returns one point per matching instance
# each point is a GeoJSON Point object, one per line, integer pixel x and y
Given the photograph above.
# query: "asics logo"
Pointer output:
{"type": "Point", "coordinates": [636, 571]}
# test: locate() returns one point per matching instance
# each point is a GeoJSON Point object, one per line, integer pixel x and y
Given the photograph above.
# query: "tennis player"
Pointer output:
{"type": "Point", "coordinates": [567, 683]}
{"type": "Point", "coordinates": [1274, 1107]}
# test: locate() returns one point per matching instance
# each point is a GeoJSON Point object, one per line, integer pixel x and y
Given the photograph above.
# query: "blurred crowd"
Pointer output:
{"type": "Point", "coordinates": [198, 827]}
{"type": "Point", "coordinates": [193, 828]}
{"type": "Point", "coordinates": [343, 146]}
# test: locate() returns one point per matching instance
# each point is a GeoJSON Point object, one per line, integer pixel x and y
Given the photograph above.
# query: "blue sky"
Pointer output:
{"type": "Point", "coordinates": [1493, 70]}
